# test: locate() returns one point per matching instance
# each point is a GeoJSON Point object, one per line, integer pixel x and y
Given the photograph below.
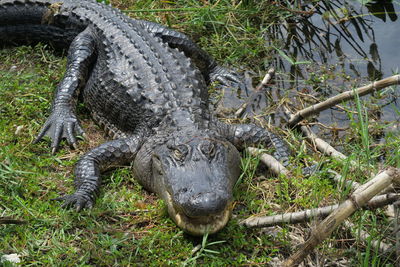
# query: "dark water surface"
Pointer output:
{"type": "Point", "coordinates": [334, 46]}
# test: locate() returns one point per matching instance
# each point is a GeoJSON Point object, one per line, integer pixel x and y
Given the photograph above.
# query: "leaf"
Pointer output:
{"type": "Point", "coordinates": [373, 50]}
{"type": "Point", "coordinates": [364, 2]}
{"type": "Point", "coordinates": [358, 29]}
{"type": "Point", "coordinates": [291, 61]}
{"type": "Point", "coordinates": [211, 251]}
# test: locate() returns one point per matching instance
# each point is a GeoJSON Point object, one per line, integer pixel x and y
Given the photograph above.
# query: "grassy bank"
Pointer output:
{"type": "Point", "coordinates": [130, 227]}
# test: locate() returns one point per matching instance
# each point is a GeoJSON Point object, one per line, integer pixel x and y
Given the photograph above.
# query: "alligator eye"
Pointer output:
{"type": "Point", "coordinates": [212, 151]}
{"type": "Point", "coordinates": [178, 154]}
{"type": "Point", "coordinates": [208, 150]}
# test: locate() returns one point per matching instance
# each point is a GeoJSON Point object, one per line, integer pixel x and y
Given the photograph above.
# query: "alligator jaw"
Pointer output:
{"type": "Point", "coordinates": [198, 226]}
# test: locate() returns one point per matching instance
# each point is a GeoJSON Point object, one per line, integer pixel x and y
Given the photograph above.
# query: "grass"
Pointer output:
{"type": "Point", "coordinates": [130, 227]}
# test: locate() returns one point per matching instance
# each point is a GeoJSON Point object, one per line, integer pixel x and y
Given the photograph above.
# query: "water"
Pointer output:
{"type": "Point", "coordinates": [340, 45]}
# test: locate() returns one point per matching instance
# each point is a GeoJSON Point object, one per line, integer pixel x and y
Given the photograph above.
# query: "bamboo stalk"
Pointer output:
{"type": "Point", "coordinates": [321, 145]}
{"type": "Point", "coordinates": [310, 214]}
{"type": "Point", "coordinates": [317, 108]}
{"type": "Point", "coordinates": [358, 199]}
{"type": "Point", "coordinates": [274, 165]}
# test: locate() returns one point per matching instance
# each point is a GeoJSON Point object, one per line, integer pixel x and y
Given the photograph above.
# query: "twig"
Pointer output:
{"type": "Point", "coordinates": [332, 128]}
{"type": "Point", "coordinates": [327, 149]}
{"type": "Point", "coordinates": [396, 207]}
{"type": "Point", "coordinates": [267, 78]}
{"type": "Point", "coordinates": [7, 220]}
{"type": "Point", "coordinates": [310, 214]}
{"type": "Point", "coordinates": [274, 165]}
{"type": "Point", "coordinates": [365, 237]}
{"type": "Point", "coordinates": [339, 179]}
{"type": "Point", "coordinates": [320, 144]}
{"type": "Point", "coordinates": [358, 199]}
{"type": "Point", "coordinates": [317, 108]}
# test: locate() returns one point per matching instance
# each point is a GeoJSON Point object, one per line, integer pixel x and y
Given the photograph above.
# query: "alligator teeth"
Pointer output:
{"type": "Point", "coordinates": [198, 226]}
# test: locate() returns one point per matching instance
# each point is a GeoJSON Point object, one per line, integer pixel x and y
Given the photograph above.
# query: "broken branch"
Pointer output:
{"type": "Point", "coordinates": [317, 108]}
{"type": "Point", "coordinates": [267, 79]}
{"type": "Point", "coordinates": [7, 220]}
{"type": "Point", "coordinates": [274, 165]}
{"type": "Point", "coordinates": [310, 214]}
{"type": "Point", "coordinates": [358, 199]}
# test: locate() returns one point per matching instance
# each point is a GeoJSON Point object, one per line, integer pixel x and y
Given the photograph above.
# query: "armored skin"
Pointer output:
{"type": "Point", "coordinates": [147, 86]}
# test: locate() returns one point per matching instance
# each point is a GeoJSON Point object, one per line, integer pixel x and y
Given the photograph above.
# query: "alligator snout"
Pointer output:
{"type": "Point", "coordinates": [204, 204]}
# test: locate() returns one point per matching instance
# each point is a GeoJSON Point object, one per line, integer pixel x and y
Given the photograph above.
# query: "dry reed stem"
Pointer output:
{"type": "Point", "coordinates": [274, 165]}
{"type": "Point", "coordinates": [357, 199]}
{"type": "Point", "coordinates": [321, 145]}
{"type": "Point", "coordinates": [317, 108]}
{"type": "Point", "coordinates": [310, 214]}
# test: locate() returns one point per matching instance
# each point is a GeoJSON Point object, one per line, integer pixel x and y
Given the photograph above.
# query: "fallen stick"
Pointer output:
{"type": "Point", "coordinates": [357, 199]}
{"type": "Point", "coordinates": [324, 148]}
{"type": "Point", "coordinates": [274, 165]}
{"type": "Point", "coordinates": [339, 179]}
{"type": "Point", "coordinates": [397, 229]}
{"type": "Point", "coordinates": [320, 144]}
{"type": "Point", "coordinates": [7, 220]}
{"type": "Point", "coordinates": [311, 214]}
{"type": "Point", "coordinates": [365, 237]}
{"type": "Point", "coordinates": [317, 108]}
{"type": "Point", "coordinates": [266, 80]}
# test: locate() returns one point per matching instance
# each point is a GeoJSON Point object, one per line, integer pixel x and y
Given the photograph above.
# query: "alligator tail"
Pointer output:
{"type": "Point", "coordinates": [28, 22]}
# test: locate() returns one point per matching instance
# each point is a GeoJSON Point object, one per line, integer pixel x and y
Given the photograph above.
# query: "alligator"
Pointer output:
{"type": "Point", "coordinates": [147, 85]}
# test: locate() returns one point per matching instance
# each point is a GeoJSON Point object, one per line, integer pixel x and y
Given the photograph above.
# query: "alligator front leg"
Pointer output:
{"type": "Point", "coordinates": [63, 123]}
{"type": "Point", "coordinates": [206, 64]}
{"type": "Point", "coordinates": [87, 171]}
{"type": "Point", "coordinates": [242, 135]}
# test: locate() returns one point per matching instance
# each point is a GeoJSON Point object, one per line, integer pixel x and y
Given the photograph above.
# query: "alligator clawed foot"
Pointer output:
{"type": "Point", "coordinates": [61, 124]}
{"type": "Point", "coordinates": [227, 77]}
{"type": "Point", "coordinates": [77, 200]}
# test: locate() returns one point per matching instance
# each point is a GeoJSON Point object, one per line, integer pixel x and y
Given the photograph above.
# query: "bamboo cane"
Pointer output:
{"type": "Point", "coordinates": [275, 166]}
{"type": "Point", "coordinates": [321, 145]}
{"type": "Point", "coordinates": [317, 108]}
{"type": "Point", "coordinates": [310, 214]}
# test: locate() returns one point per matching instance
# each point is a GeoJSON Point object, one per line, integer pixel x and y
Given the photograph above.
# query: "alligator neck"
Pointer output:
{"type": "Point", "coordinates": [186, 118]}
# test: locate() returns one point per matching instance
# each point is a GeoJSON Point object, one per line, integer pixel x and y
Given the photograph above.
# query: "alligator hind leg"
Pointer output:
{"type": "Point", "coordinates": [89, 167]}
{"type": "Point", "coordinates": [63, 122]}
{"type": "Point", "coordinates": [207, 65]}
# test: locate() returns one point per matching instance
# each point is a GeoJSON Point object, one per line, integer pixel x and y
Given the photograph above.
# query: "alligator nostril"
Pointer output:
{"type": "Point", "coordinates": [182, 191]}
{"type": "Point", "coordinates": [205, 204]}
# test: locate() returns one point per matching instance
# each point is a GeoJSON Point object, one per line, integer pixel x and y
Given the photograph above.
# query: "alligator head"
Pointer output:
{"type": "Point", "coordinates": [194, 172]}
